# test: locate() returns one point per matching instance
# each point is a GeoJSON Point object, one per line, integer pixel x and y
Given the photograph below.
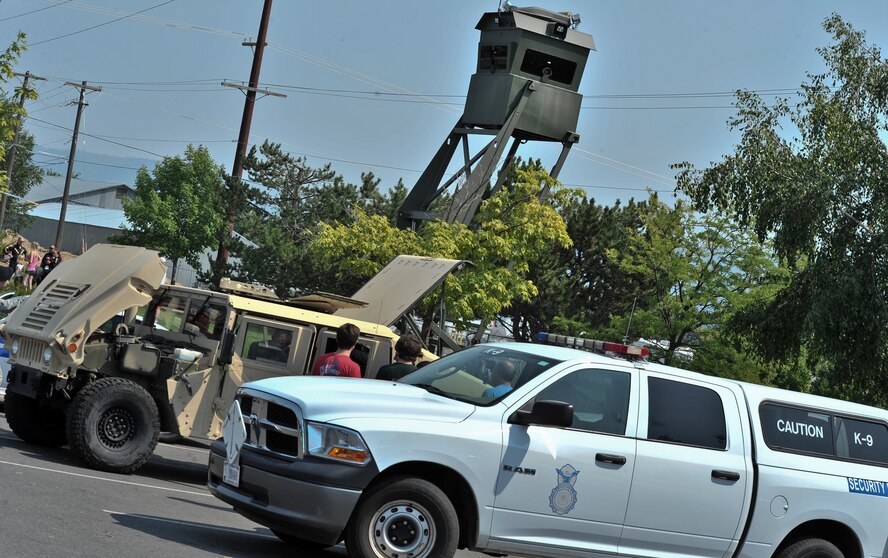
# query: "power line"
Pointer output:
{"type": "Point", "coordinates": [100, 138]}
{"type": "Point", "coordinates": [101, 24]}
{"type": "Point", "coordinates": [34, 11]}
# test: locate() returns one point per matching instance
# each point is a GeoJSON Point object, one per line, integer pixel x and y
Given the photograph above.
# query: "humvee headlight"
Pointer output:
{"type": "Point", "coordinates": [47, 355]}
{"type": "Point", "coordinates": [15, 347]}
{"type": "Point", "coordinates": [336, 442]}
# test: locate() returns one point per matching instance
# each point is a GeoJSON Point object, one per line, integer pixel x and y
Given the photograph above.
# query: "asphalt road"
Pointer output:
{"type": "Point", "coordinates": [51, 505]}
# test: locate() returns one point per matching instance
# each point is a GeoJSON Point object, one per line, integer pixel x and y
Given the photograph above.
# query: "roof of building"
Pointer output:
{"type": "Point", "coordinates": [81, 214]}
{"type": "Point", "coordinates": [52, 187]}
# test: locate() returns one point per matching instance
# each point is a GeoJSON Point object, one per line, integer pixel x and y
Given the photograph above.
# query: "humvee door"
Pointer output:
{"type": "Point", "coordinates": [263, 348]}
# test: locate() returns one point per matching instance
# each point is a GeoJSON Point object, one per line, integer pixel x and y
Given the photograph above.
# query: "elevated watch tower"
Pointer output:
{"type": "Point", "coordinates": [525, 88]}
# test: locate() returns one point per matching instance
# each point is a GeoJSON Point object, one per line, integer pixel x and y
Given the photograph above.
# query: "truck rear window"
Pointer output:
{"type": "Point", "coordinates": [795, 429]}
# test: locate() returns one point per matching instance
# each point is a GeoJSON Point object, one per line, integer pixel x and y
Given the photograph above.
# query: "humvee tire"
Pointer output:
{"type": "Point", "coordinates": [35, 422]}
{"type": "Point", "coordinates": [113, 425]}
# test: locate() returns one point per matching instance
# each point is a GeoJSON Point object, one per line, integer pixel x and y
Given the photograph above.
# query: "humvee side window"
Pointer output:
{"type": "Point", "coordinates": [362, 354]}
{"type": "Point", "coordinates": [267, 344]}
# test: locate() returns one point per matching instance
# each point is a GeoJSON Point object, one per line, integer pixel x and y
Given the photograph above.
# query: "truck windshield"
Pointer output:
{"type": "Point", "coordinates": [481, 375]}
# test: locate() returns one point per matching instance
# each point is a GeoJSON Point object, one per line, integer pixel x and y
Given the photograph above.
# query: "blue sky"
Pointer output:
{"type": "Point", "coordinates": [161, 72]}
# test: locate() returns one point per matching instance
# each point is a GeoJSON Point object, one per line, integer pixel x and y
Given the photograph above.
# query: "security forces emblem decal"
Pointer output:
{"type": "Point", "coordinates": [563, 497]}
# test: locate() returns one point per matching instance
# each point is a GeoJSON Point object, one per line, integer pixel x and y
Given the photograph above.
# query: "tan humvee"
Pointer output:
{"type": "Point", "coordinates": [105, 357]}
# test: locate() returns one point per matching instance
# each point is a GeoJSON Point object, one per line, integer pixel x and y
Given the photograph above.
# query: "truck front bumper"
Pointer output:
{"type": "Point", "coordinates": [290, 497]}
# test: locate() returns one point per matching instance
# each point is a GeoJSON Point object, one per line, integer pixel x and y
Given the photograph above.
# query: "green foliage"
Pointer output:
{"type": "Point", "coordinates": [290, 206]}
{"type": "Point", "coordinates": [814, 179]}
{"type": "Point", "coordinates": [580, 288]}
{"type": "Point", "coordinates": [513, 227]}
{"type": "Point", "coordinates": [25, 176]}
{"type": "Point", "coordinates": [10, 114]}
{"type": "Point", "coordinates": [174, 209]}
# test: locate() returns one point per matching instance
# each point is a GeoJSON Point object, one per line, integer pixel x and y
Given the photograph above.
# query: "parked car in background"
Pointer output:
{"type": "Point", "coordinates": [4, 370]}
{"type": "Point", "coordinates": [4, 353]}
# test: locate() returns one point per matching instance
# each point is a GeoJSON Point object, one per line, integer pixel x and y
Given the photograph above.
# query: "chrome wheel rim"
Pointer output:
{"type": "Point", "coordinates": [402, 529]}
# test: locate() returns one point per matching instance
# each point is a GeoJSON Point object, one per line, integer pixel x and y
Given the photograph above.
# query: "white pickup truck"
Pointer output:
{"type": "Point", "coordinates": [572, 454]}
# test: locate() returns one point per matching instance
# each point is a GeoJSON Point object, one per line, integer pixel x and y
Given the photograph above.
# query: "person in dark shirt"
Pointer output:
{"type": "Point", "coordinates": [15, 252]}
{"type": "Point", "coordinates": [407, 350]}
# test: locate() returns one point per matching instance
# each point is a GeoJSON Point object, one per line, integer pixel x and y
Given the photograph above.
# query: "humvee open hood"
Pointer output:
{"type": "Point", "coordinates": [85, 292]}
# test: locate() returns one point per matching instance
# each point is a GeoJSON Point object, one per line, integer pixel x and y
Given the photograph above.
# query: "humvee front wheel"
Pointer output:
{"type": "Point", "coordinates": [35, 421]}
{"type": "Point", "coordinates": [113, 425]}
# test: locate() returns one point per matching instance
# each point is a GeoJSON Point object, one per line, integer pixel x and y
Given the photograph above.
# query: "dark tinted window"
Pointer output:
{"type": "Point", "coordinates": [493, 57]}
{"type": "Point", "coordinates": [547, 67]}
{"type": "Point", "coordinates": [686, 414]}
{"type": "Point", "coordinates": [857, 439]}
{"type": "Point", "coordinates": [600, 399]}
{"type": "Point", "coordinates": [797, 429]}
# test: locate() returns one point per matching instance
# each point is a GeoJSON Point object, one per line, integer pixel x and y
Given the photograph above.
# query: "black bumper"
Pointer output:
{"type": "Point", "coordinates": [311, 499]}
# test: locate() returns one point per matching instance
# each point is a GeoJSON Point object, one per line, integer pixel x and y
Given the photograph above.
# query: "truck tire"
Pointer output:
{"type": "Point", "coordinates": [811, 548]}
{"type": "Point", "coordinates": [35, 421]}
{"type": "Point", "coordinates": [113, 425]}
{"type": "Point", "coordinates": [403, 517]}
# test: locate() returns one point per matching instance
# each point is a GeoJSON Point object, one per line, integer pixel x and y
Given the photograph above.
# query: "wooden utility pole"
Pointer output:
{"type": "Point", "coordinates": [237, 169]}
{"type": "Point", "coordinates": [10, 155]}
{"type": "Point", "coordinates": [80, 104]}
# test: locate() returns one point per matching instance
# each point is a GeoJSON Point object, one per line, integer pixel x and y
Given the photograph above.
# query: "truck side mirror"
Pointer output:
{"type": "Point", "coordinates": [545, 413]}
{"type": "Point", "coordinates": [227, 350]}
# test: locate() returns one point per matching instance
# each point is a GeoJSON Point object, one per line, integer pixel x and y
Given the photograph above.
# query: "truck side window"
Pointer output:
{"type": "Point", "coordinates": [686, 414]}
{"type": "Point", "coordinates": [794, 429]}
{"type": "Point", "coordinates": [863, 440]}
{"type": "Point", "coordinates": [600, 399]}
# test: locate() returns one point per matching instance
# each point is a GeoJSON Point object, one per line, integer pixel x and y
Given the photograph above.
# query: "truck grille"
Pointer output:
{"type": "Point", "coordinates": [273, 425]}
{"type": "Point", "coordinates": [50, 301]}
{"type": "Point", "coordinates": [30, 351]}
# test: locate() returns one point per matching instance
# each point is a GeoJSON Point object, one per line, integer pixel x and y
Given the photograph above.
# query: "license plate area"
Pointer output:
{"type": "Point", "coordinates": [231, 474]}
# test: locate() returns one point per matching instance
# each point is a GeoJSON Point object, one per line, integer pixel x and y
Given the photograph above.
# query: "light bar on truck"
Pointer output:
{"type": "Point", "coordinates": [604, 347]}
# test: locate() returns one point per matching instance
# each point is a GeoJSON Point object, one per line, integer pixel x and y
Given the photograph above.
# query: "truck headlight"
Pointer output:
{"type": "Point", "coordinates": [47, 355]}
{"type": "Point", "coordinates": [15, 347]}
{"type": "Point", "coordinates": [336, 442]}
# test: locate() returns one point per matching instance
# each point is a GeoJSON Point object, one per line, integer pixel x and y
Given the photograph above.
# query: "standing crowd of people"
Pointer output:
{"type": "Point", "coordinates": [30, 267]}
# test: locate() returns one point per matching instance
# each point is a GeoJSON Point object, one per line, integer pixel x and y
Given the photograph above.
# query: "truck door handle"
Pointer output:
{"type": "Point", "coordinates": [725, 475]}
{"type": "Point", "coordinates": [610, 458]}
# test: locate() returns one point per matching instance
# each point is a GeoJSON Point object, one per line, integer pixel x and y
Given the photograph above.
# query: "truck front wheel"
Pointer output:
{"type": "Point", "coordinates": [35, 421]}
{"type": "Point", "coordinates": [113, 425]}
{"type": "Point", "coordinates": [811, 548]}
{"type": "Point", "coordinates": [403, 517]}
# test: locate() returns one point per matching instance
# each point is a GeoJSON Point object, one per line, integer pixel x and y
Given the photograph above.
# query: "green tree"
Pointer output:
{"type": "Point", "coordinates": [580, 288]}
{"type": "Point", "coordinates": [286, 208]}
{"type": "Point", "coordinates": [813, 177]}
{"type": "Point", "coordinates": [25, 176]}
{"type": "Point", "coordinates": [175, 209]}
{"type": "Point", "coordinates": [10, 114]}
{"type": "Point", "coordinates": [511, 229]}
{"type": "Point", "coordinates": [696, 270]}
